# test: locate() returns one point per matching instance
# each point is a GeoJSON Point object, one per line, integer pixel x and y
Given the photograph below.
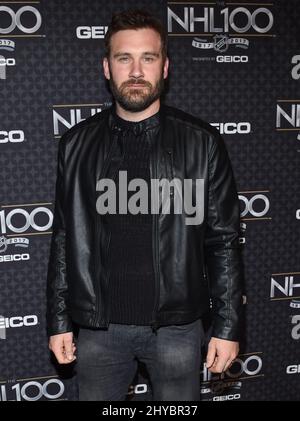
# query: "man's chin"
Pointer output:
{"type": "Point", "coordinates": [134, 107]}
{"type": "Point", "coordinates": [135, 103]}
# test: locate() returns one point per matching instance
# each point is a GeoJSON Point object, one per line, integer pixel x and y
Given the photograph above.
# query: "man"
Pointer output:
{"type": "Point", "coordinates": [138, 281]}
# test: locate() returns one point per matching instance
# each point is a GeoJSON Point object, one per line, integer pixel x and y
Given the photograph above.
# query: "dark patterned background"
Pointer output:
{"type": "Point", "coordinates": [51, 72]}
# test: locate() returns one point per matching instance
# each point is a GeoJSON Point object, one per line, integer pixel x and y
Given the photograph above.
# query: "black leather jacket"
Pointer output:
{"type": "Point", "coordinates": [196, 266]}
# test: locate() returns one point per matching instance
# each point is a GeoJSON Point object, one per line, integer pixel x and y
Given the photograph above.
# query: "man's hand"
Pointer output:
{"type": "Point", "coordinates": [63, 347]}
{"type": "Point", "coordinates": [221, 354]}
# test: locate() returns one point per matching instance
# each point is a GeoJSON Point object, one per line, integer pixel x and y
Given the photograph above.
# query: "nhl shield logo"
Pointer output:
{"type": "Point", "coordinates": [221, 43]}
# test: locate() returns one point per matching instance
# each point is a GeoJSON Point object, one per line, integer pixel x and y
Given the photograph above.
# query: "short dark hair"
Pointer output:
{"type": "Point", "coordinates": [135, 19]}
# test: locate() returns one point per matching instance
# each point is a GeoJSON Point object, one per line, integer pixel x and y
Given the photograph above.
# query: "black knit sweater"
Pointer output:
{"type": "Point", "coordinates": [131, 279]}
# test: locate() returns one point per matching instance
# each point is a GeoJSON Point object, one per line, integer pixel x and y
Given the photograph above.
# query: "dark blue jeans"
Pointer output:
{"type": "Point", "coordinates": [107, 361]}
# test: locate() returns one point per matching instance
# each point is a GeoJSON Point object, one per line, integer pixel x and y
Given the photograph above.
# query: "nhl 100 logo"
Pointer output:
{"type": "Point", "coordinates": [29, 218]}
{"type": "Point", "coordinates": [16, 19]}
{"type": "Point", "coordinates": [249, 365]}
{"type": "Point", "coordinates": [239, 20]}
{"type": "Point", "coordinates": [51, 389]}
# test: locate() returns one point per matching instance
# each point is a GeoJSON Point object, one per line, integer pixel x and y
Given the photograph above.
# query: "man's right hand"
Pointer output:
{"type": "Point", "coordinates": [63, 347]}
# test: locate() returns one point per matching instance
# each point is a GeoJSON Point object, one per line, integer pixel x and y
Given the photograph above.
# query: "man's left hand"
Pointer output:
{"type": "Point", "coordinates": [221, 354]}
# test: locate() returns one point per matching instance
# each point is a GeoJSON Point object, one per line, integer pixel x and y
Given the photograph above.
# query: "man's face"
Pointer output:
{"type": "Point", "coordinates": [135, 68]}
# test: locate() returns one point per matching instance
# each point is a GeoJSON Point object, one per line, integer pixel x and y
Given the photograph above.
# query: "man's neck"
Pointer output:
{"type": "Point", "coordinates": [138, 116]}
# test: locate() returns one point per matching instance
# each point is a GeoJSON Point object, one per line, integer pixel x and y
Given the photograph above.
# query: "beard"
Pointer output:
{"type": "Point", "coordinates": [136, 99]}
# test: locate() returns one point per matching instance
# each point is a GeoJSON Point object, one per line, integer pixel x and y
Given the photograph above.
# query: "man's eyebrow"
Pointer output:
{"type": "Point", "coordinates": [121, 54]}
{"type": "Point", "coordinates": [146, 53]}
{"type": "Point", "coordinates": [150, 53]}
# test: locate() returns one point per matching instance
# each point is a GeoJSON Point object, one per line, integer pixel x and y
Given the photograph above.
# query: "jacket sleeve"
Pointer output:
{"type": "Point", "coordinates": [58, 320]}
{"type": "Point", "coordinates": [221, 245]}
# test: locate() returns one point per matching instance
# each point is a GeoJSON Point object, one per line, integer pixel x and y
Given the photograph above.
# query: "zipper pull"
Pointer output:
{"type": "Point", "coordinates": [154, 328]}
{"type": "Point", "coordinates": [170, 163]}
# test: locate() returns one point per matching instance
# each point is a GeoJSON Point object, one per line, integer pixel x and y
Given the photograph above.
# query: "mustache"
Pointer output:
{"type": "Point", "coordinates": [136, 82]}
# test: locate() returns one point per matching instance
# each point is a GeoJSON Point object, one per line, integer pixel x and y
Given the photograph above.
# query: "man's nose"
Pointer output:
{"type": "Point", "coordinates": [136, 69]}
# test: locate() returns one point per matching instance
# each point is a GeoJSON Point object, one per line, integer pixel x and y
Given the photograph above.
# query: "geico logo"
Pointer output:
{"type": "Point", "coordinates": [242, 127]}
{"type": "Point", "coordinates": [14, 257]}
{"type": "Point", "coordinates": [6, 221]}
{"type": "Point", "coordinates": [140, 389]}
{"type": "Point", "coordinates": [296, 69]}
{"type": "Point", "coordinates": [293, 369]}
{"type": "Point", "coordinates": [227, 397]}
{"type": "Point", "coordinates": [232, 59]}
{"type": "Point", "coordinates": [86, 32]}
{"type": "Point", "coordinates": [18, 321]}
{"type": "Point", "coordinates": [298, 214]}
{"type": "Point", "coordinates": [227, 20]}
{"type": "Point", "coordinates": [7, 61]}
{"type": "Point", "coordinates": [33, 391]}
{"type": "Point", "coordinates": [16, 19]}
{"type": "Point", "coordinates": [14, 136]}
{"type": "Point", "coordinates": [250, 202]}
{"type": "Point", "coordinates": [251, 366]}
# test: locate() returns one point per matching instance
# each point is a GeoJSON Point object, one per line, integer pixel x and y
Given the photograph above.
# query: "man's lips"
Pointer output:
{"type": "Point", "coordinates": [136, 85]}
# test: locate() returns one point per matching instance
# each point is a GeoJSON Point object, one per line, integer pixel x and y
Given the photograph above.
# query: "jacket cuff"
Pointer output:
{"type": "Point", "coordinates": [60, 326]}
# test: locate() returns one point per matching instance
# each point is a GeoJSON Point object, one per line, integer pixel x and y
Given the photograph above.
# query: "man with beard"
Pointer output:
{"type": "Point", "coordinates": [137, 283]}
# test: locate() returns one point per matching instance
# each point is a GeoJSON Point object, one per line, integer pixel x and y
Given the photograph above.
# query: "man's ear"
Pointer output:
{"type": "Point", "coordinates": [106, 68]}
{"type": "Point", "coordinates": [166, 67]}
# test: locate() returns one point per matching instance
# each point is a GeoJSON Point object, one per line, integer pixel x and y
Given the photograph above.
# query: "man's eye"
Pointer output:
{"type": "Point", "coordinates": [148, 59]}
{"type": "Point", "coordinates": [123, 59]}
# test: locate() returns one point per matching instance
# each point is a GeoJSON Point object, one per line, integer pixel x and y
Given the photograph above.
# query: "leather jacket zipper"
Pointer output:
{"type": "Point", "coordinates": [155, 243]}
{"type": "Point", "coordinates": [155, 251]}
{"type": "Point", "coordinates": [156, 272]}
{"type": "Point", "coordinates": [170, 171]}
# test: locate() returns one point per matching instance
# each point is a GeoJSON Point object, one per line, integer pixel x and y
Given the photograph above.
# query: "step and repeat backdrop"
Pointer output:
{"type": "Point", "coordinates": [234, 64]}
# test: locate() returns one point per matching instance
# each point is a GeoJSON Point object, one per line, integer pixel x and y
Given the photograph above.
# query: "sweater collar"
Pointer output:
{"type": "Point", "coordinates": [138, 127]}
